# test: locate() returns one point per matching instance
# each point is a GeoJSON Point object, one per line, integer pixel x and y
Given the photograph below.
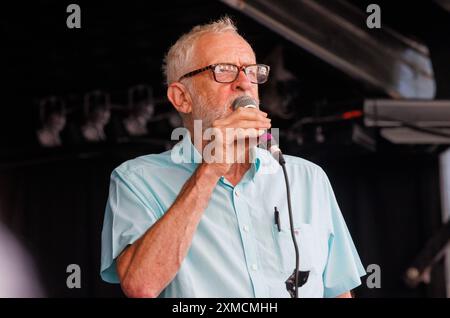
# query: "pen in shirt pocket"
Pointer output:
{"type": "Point", "coordinates": [277, 219]}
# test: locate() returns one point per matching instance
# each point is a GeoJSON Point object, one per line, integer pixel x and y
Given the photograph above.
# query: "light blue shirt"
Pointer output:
{"type": "Point", "coordinates": [237, 250]}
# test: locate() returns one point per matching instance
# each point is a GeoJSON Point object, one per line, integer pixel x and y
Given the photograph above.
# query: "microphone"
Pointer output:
{"type": "Point", "coordinates": [266, 141]}
{"type": "Point", "coordinates": [244, 101]}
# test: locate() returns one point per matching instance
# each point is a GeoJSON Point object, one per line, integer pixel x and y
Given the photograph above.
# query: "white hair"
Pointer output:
{"type": "Point", "coordinates": [179, 56]}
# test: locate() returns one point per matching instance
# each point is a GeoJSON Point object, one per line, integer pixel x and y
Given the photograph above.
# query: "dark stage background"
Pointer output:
{"type": "Point", "coordinates": [54, 199]}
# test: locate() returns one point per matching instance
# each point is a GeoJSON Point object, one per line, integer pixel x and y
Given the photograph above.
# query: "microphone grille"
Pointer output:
{"type": "Point", "coordinates": [244, 101]}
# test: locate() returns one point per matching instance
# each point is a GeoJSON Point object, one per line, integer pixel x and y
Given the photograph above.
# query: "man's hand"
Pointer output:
{"type": "Point", "coordinates": [230, 135]}
{"type": "Point", "coordinates": [345, 295]}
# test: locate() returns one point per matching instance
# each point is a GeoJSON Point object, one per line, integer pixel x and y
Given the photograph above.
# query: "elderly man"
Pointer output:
{"type": "Point", "coordinates": [202, 228]}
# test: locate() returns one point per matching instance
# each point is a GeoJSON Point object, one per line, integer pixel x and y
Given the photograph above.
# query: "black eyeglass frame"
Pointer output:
{"type": "Point", "coordinates": [212, 66]}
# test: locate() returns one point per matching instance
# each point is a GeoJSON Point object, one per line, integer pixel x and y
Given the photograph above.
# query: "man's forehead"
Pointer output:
{"type": "Point", "coordinates": [225, 47]}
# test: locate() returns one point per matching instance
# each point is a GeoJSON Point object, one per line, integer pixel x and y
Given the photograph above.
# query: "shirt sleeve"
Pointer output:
{"type": "Point", "coordinates": [344, 268]}
{"type": "Point", "coordinates": [128, 215]}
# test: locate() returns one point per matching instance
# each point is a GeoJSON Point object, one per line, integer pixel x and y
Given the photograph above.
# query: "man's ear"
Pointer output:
{"type": "Point", "coordinates": [180, 97]}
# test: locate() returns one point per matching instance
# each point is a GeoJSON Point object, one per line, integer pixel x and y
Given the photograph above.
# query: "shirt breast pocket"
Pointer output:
{"type": "Point", "coordinates": [307, 242]}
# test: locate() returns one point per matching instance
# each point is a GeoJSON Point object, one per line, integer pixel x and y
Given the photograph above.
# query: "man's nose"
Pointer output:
{"type": "Point", "coordinates": [242, 82]}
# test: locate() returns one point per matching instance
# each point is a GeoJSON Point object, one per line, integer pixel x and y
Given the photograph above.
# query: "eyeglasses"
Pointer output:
{"type": "Point", "coordinates": [228, 73]}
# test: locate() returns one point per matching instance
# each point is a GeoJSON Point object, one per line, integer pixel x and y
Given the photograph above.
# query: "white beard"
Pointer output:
{"type": "Point", "coordinates": [205, 112]}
